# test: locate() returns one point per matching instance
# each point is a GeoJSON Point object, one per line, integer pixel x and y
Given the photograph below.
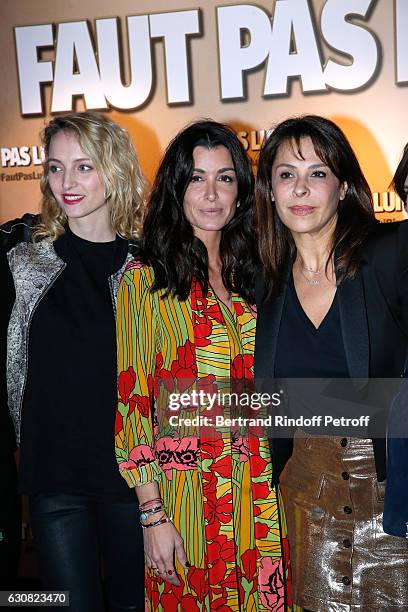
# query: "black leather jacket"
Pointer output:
{"type": "Point", "coordinates": [11, 233]}
{"type": "Point", "coordinates": [31, 269]}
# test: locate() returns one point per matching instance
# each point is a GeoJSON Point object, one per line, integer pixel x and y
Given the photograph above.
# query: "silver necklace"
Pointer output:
{"type": "Point", "coordinates": [310, 281]}
{"type": "Point", "coordinates": [311, 269]}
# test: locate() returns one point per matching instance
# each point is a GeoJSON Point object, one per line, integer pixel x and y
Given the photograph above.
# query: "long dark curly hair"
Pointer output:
{"type": "Point", "coordinates": [168, 243]}
{"type": "Point", "coordinates": [355, 213]}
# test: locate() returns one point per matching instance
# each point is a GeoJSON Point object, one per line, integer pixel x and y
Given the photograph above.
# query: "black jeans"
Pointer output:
{"type": "Point", "coordinates": [72, 533]}
{"type": "Point", "coordinates": [10, 522]}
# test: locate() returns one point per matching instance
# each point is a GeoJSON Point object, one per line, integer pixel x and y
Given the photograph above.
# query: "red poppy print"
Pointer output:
{"type": "Point", "coordinates": [216, 571]}
{"type": "Point", "coordinates": [126, 384]}
{"type": "Point", "coordinates": [209, 481]}
{"type": "Point", "coordinates": [260, 490]}
{"type": "Point", "coordinates": [184, 368]}
{"type": "Point", "coordinates": [248, 560]}
{"type": "Point", "coordinates": [197, 581]}
{"type": "Point", "coordinates": [219, 605]}
{"type": "Point", "coordinates": [230, 581]}
{"type": "Point", "coordinates": [118, 422]}
{"type": "Point", "coordinates": [186, 355]}
{"type": "Point", "coordinates": [214, 312]}
{"type": "Point", "coordinates": [212, 528]}
{"type": "Point", "coordinates": [239, 309]}
{"type": "Point", "coordinates": [220, 508]}
{"type": "Point", "coordinates": [223, 548]}
{"type": "Point", "coordinates": [202, 330]}
{"type": "Point", "coordinates": [205, 479]}
{"type": "Point", "coordinates": [222, 466]}
{"type": "Point", "coordinates": [234, 581]}
{"type": "Point", "coordinates": [242, 367]}
{"type": "Point", "coordinates": [261, 531]}
{"type": "Point", "coordinates": [257, 465]}
{"type": "Point", "coordinates": [188, 604]}
{"type": "Point", "coordinates": [212, 448]}
{"type": "Point", "coordinates": [142, 403]}
{"type": "Point", "coordinates": [162, 376]}
{"type": "Point", "coordinates": [207, 384]}
{"type": "Point", "coordinates": [172, 594]}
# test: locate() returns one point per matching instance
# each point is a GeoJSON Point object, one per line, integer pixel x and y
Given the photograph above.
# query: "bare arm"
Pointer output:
{"type": "Point", "coordinates": [160, 541]}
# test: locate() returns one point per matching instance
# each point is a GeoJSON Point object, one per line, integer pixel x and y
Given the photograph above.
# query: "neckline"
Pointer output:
{"type": "Point", "coordinates": [308, 321]}
{"type": "Point", "coordinates": [89, 243]}
{"type": "Point", "coordinates": [223, 306]}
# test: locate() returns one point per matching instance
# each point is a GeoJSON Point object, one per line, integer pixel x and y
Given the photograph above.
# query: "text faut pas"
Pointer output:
{"type": "Point", "coordinates": [284, 43]}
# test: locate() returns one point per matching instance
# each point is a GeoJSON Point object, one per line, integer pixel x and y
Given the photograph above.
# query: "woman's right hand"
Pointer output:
{"type": "Point", "coordinates": [160, 544]}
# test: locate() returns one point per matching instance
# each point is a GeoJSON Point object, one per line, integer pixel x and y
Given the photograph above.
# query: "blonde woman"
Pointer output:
{"type": "Point", "coordinates": [62, 362]}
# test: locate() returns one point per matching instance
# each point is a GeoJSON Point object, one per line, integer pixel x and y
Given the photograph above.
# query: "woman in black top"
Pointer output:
{"type": "Point", "coordinates": [395, 519]}
{"type": "Point", "coordinates": [333, 304]}
{"type": "Point", "coordinates": [62, 363]}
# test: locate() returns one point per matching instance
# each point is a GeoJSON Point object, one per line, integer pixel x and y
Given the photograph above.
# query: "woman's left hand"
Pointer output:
{"type": "Point", "coordinates": [160, 544]}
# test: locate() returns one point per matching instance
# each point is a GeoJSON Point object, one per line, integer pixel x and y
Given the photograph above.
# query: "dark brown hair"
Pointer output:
{"type": "Point", "coordinates": [168, 241]}
{"type": "Point", "coordinates": [400, 176]}
{"type": "Point", "coordinates": [355, 211]}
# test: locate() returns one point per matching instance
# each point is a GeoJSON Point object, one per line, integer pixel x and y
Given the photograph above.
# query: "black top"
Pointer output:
{"type": "Point", "coordinates": [304, 351]}
{"type": "Point", "coordinates": [373, 307]}
{"type": "Point", "coordinates": [67, 438]}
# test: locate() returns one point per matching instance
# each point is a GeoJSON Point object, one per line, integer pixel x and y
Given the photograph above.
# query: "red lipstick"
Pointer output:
{"type": "Point", "coordinates": [72, 198]}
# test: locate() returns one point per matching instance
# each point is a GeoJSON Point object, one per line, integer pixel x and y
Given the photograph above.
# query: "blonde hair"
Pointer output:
{"type": "Point", "coordinates": [110, 148]}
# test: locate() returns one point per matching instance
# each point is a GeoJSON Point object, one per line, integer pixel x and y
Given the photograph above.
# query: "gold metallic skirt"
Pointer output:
{"type": "Point", "coordinates": [341, 558]}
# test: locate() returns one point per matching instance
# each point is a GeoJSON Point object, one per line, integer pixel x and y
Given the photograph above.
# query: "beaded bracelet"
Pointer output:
{"type": "Point", "coordinates": [165, 519]}
{"type": "Point", "coordinates": [146, 513]}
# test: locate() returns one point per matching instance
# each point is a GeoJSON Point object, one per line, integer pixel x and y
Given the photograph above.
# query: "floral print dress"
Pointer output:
{"type": "Point", "coordinates": [215, 485]}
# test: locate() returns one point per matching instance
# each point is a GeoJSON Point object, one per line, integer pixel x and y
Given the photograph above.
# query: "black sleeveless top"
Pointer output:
{"type": "Point", "coordinates": [304, 351]}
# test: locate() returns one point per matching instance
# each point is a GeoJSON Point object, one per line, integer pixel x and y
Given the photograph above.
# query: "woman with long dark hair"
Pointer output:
{"type": "Point", "coordinates": [212, 529]}
{"type": "Point", "coordinates": [333, 304]}
{"type": "Point", "coordinates": [61, 366]}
